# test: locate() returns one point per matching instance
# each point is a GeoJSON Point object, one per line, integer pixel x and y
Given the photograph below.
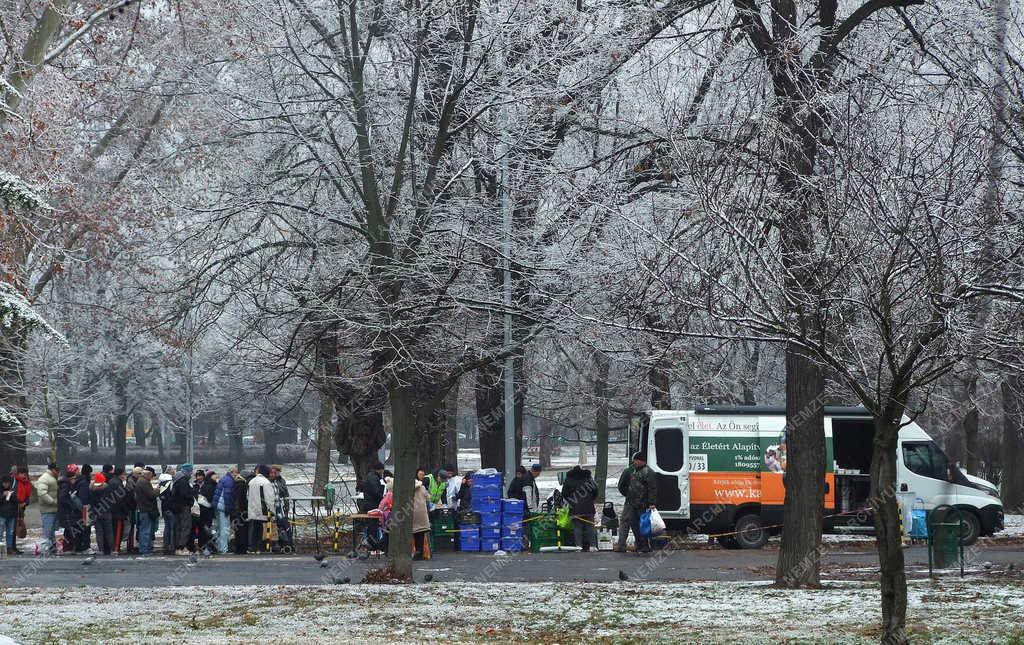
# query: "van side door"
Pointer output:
{"type": "Point", "coordinates": [668, 456]}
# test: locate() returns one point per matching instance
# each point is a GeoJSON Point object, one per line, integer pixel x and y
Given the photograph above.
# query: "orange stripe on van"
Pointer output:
{"type": "Point", "coordinates": [742, 488]}
{"type": "Point", "coordinates": [724, 487]}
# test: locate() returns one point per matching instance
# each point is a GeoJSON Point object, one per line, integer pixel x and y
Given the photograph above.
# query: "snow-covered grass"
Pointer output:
{"type": "Point", "coordinates": [944, 611]}
{"type": "Point", "coordinates": [1014, 526]}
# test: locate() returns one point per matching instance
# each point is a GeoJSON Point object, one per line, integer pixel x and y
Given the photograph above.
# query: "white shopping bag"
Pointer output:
{"type": "Point", "coordinates": [657, 524]}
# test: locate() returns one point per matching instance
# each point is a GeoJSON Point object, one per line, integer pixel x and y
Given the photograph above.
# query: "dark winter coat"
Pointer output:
{"type": "Point", "coordinates": [82, 489]}
{"type": "Point", "coordinates": [129, 498]}
{"type": "Point", "coordinates": [67, 512]}
{"type": "Point", "coordinates": [145, 497]}
{"type": "Point", "coordinates": [641, 489]}
{"type": "Point", "coordinates": [8, 499]}
{"type": "Point", "coordinates": [465, 497]}
{"type": "Point", "coordinates": [114, 499]}
{"type": "Point", "coordinates": [182, 492]}
{"type": "Point", "coordinates": [580, 492]}
{"type": "Point", "coordinates": [241, 505]}
{"type": "Point", "coordinates": [373, 490]}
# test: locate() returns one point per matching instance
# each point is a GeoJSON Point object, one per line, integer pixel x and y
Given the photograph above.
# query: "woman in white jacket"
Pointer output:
{"type": "Point", "coordinates": [261, 499]}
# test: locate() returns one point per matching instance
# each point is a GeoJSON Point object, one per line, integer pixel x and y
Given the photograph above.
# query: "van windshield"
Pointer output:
{"type": "Point", "coordinates": [926, 459]}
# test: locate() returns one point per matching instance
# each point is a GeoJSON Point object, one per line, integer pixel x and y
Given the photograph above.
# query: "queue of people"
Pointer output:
{"type": "Point", "coordinates": [200, 511]}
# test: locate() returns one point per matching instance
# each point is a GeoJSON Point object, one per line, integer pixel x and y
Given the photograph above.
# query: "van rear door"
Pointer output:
{"type": "Point", "coordinates": [668, 456]}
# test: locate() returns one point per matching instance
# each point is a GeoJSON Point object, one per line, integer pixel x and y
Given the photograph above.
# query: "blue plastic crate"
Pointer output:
{"type": "Point", "coordinates": [486, 477]}
{"type": "Point", "coordinates": [490, 519]}
{"type": "Point", "coordinates": [485, 505]}
{"type": "Point", "coordinates": [511, 544]}
{"type": "Point", "coordinates": [487, 491]}
{"type": "Point", "coordinates": [469, 544]}
{"type": "Point", "coordinates": [490, 533]}
{"type": "Point", "coordinates": [513, 507]}
{"type": "Point", "coordinates": [490, 545]}
{"type": "Point", "coordinates": [512, 530]}
{"type": "Point", "coordinates": [469, 532]}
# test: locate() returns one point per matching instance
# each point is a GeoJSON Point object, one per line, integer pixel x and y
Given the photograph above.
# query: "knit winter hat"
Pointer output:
{"type": "Point", "coordinates": [186, 468]}
{"type": "Point", "coordinates": [98, 478]}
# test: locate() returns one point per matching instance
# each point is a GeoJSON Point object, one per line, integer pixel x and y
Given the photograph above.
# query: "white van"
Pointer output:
{"type": "Point", "coordinates": [721, 469]}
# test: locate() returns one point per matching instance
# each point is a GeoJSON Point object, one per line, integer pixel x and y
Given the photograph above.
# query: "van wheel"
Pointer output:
{"type": "Point", "coordinates": [970, 529]}
{"type": "Point", "coordinates": [750, 532]}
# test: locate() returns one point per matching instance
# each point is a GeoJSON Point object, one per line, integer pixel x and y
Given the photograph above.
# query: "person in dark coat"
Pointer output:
{"type": "Point", "coordinates": [239, 514]}
{"type": "Point", "coordinates": [69, 515]}
{"type": "Point", "coordinates": [102, 506]}
{"type": "Point", "coordinates": [641, 494]}
{"type": "Point", "coordinates": [206, 495]}
{"type": "Point", "coordinates": [464, 501]}
{"type": "Point", "coordinates": [580, 493]}
{"type": "Point", "coordinates": [146, 503]}
{"type": "Point", "coordinates": [8, 512]}
{"type": "Point", "coordinates": [83, 493]}
{"type": "Point", "coordinates": [117, 499]}
{"type": "Point", "coordinates": [373, 487]}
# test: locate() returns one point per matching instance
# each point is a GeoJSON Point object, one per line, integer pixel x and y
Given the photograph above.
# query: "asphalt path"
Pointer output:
{"type": "Point", "coordinates": [666, 566]}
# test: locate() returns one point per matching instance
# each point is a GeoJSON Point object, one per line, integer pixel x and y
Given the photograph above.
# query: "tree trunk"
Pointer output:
{"type": "Point", "coordinates": [970, 427]}
{"type": "Point", "coordinates": [359, 434]}
{"type": "Point", "coordinates": [270, 445]}
{"type": "Point", "coordinates": [324, 440]}
{"type": "Point", "coordinates": [93, 438]}
{"type": "Point", "coordinates": [799, 562]}
{"type": "Point", "coordinates": [887, 529]}
{"type": "Point", "coordinates": [156, 426]}
{"type": "Point", "coordinates": [450, 443]}
{"type": "Point", "coordinates": [602, 368]}
{"type": "Point", "coordinates": [233, 432]}
{"type": "Point", "coordinates": [13, 345]}
{"type": "Point", "coordinates": [120, 432]}
{"type": "Point", "coordinates": [490, 416]}
{"type": "Point", "coordinates": [139, 428]}
{"type": "Point", "coordinates": [403, 447]}
{"type": "Point", "coordinates": [1012, 481]}
{"type": "Point", "coordinates": [544, 441]}
{"type": "Point", "coordinates": [212, 425]}
{"type": "Point", "coordinates": [430, 435]}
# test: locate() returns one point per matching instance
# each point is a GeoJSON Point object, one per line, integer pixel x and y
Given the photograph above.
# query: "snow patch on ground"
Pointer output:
{"type": "Point", "coordinates": [1014, 526]}
{"type": "Point", "coordinates": [940, 611]}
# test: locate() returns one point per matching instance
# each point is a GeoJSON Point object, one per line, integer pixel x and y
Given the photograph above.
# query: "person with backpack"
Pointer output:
{"type": "Point", "coordinates": [637, 485]}
{"type": "Point", "coordinates": [184, 497]}
{"type": "Point", "coordinates": [580, 493]}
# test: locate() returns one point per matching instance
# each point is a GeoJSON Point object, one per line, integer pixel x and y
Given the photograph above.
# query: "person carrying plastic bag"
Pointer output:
{"type": "Point", "coordinates": [641, 494]}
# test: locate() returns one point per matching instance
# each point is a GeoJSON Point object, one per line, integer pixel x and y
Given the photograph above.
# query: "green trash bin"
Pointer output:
{"type": "Point", "coordinates": [944, 530]}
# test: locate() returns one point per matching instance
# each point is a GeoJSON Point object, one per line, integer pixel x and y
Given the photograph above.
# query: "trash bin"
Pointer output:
{"type": "Point", "coordinates": [945, 551]}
